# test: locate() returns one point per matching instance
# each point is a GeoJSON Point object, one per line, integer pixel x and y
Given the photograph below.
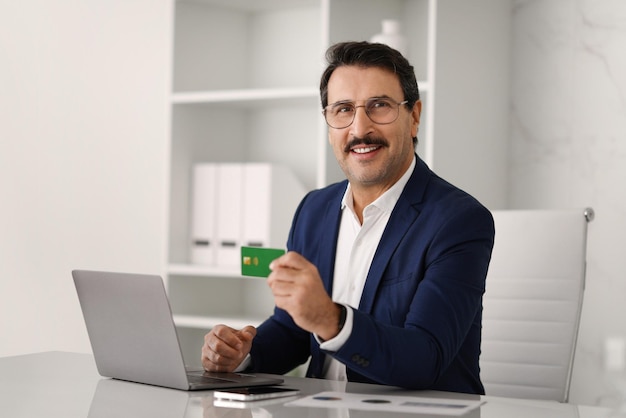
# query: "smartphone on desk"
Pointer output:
{"type": "Point", "coordinates": [255, 393]}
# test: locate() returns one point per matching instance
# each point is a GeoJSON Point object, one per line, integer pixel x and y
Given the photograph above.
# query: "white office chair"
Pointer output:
{"type": "Point", "coordinates": [532, 305]}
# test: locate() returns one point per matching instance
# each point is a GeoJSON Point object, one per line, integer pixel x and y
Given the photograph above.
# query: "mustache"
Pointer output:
{"type": "Point", "coordinates": [365, 141]}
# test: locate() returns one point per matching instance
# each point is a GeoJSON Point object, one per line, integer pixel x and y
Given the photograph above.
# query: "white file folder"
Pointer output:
{"type": "Point", "coordinates": [235, 204]}
{"type": "Point", "coordinates": [203, 216]}
{"type": "Point", "coordinates": [257, 198]}
{"type": "Point", "coordinates": [229, 213]}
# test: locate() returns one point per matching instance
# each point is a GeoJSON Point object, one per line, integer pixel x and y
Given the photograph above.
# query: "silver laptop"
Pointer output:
{"type": "Point", "coordinates": [133, 337]}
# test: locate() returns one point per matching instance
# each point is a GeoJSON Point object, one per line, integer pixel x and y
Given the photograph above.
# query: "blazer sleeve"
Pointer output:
{"type": "Point", "coordinates": [280, 345]}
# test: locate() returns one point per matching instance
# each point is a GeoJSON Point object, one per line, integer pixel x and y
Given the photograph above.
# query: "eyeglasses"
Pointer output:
{"type": "Point", "coordinates": [380, 110]}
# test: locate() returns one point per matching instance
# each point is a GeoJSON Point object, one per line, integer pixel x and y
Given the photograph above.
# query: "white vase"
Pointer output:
{"type": "Point", "coordinates": [391, 36]}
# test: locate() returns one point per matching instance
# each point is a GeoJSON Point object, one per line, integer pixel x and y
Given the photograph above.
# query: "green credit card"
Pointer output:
{"type": "Point", "coordinates": [255, 261]}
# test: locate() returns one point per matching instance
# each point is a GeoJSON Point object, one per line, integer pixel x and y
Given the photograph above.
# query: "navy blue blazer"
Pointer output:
{"type": "Point", "coordinates": [418, 324]}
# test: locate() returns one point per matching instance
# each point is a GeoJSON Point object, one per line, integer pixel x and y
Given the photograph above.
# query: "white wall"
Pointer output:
{"type": "Point", "coordinates": [472, 97]}
{"type": "Point", "coordinates": [83, 148]}
{"type": "Point", "coordinates": [568, 149]}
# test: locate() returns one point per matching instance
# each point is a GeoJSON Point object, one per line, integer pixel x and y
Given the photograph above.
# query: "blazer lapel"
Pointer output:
{"type": "Point", "coordinates": [328, 245]}
{"type": "Point", "coordinates": [404, 214]}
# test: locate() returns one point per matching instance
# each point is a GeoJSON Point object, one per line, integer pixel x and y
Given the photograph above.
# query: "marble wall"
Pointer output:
{"type": "Point", "coordinates": [568, 149]}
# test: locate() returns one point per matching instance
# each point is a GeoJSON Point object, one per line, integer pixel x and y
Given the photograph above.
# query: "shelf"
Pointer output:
{"type": "Point", "coordinates": [244, 96]}
{"type": "Point", "coordinates": [249, 97]}
{"type": "Point", "coordinates": [255, 6]}
{"type": "Point", "coordinates": [197, 270]}
{"type": "Point", "coordinates": [424, 86]}
{"type": "Point", "coordinates": [208, 322]}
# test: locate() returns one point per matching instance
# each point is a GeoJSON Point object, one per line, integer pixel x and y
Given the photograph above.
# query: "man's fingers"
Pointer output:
{"type": "Point", "coordinates": [224, 347]}
{"type": "Point", "coordinates": [211, 366]}
{"type": "Point", "coordinates": [248, 333]}
{"type": "Point", "coordinates": [217, 361]}
{"type": "Point", "coordinates": [290, 259]}
{"type": "Point", "coordinates": [223, 350]}
{"type": "Point", "coordinates": [225, 337]}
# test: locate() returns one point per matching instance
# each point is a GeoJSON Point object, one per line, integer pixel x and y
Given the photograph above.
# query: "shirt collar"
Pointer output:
{"type": "Point", "coordinates": [387, 200]}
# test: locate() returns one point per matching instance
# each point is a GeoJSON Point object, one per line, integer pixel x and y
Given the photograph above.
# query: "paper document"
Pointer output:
{"type": "Point", "coordinates": [407, 404]}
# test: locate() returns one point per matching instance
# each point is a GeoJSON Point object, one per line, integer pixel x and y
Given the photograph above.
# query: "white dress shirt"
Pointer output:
{"type": "Point", "coordinates": [356, 246]}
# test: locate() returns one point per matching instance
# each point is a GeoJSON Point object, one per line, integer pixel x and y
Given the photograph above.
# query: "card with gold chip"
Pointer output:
{"type": "Point", "coordinates": [255, 261]}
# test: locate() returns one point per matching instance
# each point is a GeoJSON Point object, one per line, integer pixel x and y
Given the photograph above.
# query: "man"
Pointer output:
{"type": "Point", "coordinates": [385, 273]}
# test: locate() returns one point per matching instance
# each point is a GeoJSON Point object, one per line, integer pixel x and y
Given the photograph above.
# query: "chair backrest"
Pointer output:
{"type": "Point", "coordinates": [532, 303]}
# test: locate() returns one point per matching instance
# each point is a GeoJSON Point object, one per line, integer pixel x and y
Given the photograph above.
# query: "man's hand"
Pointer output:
{"type": "Point", "coordinates": [298, 289]}
{"type": "Point", "coordinates": [225, 348]}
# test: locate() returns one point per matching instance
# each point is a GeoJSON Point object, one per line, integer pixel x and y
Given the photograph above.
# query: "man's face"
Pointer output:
{"type": "Point", "coordinates": [371, 154]}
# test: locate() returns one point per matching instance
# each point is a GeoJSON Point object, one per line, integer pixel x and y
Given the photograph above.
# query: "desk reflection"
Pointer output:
{"type": "Point", "coordinates": [115, 398]}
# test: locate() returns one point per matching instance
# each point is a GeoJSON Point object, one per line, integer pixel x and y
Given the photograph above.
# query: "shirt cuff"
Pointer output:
{"type": "Point", "coordinates": [244, 364]}
{"type": "Point", "coordinates": [334, 344]}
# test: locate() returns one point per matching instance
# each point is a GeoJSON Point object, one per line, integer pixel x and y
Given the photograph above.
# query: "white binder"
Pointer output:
{"type": "Point", "coordinates": [229, 213]}
{"type": "Point", "coordinates": [204, 189]}
{"type": "Point", "coordinates": [257, 198]}
{"type": "Point", "coordinates": [235, 204]}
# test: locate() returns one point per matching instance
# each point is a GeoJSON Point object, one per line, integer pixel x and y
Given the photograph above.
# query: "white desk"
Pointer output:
{"type": "Point", "coordinates": [67, 385]}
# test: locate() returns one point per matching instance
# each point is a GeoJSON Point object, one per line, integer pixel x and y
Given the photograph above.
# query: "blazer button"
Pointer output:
{"type": "Point", "coordinates": [360, 360]}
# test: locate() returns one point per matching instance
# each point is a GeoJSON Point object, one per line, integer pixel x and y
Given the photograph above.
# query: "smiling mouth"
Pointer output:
{"type": "Point", "coordinates": [365, 145]}
{"type": "Point", "coordinates": [365, 150]}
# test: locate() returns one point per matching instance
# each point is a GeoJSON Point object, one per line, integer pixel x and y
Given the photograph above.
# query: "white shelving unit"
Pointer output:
{"type": "Point", "coordinates": [245, 89]}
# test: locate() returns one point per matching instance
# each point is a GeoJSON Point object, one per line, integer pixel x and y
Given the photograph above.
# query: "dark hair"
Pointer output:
{"type": "Point", "coordinates": [366, 54]}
